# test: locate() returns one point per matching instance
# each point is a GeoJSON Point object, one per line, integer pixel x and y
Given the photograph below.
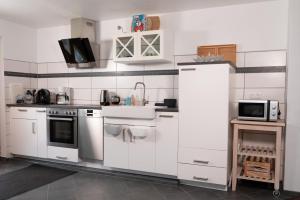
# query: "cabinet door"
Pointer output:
{"type": "Point", "coordinates": [125, 47]}
{"type": "Point", "coordinates": [167, 143]}
{"type": "Point", "coordinates": [115, 147]}
{"type": "Point", "coordinates": [41, 132]}
{"type": "Point", "coordinates": [142, 149]}
{"type": "Point", "coordinates": [204, 106]}
{"type": "Point", "coordinates": [24, 137]}
{"type": "Point", "coordinates": [150, 44]}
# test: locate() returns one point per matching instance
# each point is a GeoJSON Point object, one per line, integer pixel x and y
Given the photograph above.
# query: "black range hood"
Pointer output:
{"type": "Point", "coordinates": [78, 52]}
{"type": "Point", "coordinates": [81, 50]}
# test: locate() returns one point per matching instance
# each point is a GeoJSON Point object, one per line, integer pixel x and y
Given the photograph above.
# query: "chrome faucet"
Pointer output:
{"type": "Point", "coordinates": [144, 86]}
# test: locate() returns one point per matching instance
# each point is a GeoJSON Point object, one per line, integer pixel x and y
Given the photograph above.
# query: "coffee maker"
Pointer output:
{"type": "Point", "coordinates": [63, 95]}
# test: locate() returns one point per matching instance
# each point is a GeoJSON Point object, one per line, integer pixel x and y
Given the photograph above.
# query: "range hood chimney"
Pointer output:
{"type": "Point", "coordinates": [81, 50]}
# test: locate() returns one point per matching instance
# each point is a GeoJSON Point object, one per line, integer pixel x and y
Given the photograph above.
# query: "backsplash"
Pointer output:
{"type": "Point", "coordinates": [86, 90]}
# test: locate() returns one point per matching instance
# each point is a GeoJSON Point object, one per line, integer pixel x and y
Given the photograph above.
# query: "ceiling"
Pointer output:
{"type": "Point", "coordinates": [46, 13]}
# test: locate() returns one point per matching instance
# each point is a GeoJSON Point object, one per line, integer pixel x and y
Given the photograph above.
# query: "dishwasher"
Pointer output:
{"type": "Point", "coordinates": [90, 134]}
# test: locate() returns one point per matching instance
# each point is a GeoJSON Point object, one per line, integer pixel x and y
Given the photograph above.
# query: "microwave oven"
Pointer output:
{"type": "Point", "coordinates": [258, 110]}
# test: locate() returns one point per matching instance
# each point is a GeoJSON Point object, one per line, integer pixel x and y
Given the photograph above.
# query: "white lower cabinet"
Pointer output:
{"type": "Point", "coordinates": [166, 143]}
{"type": "Point", "coordinates": [63, 154]}
{"type": "Point", "coordinates": [204, 174]}
{"type": "Point", "coordinates": [23, 137]}
{"type": "Point", "coordinates": [129, 147]}
{"type": "Point", "coordinates": [204, 157]}
{"type": "Point", "coordinates": [115, 147]}
{"type": "Point", "coordinates": [142, 150]}
{"type": "Point", "coordinates": [142, 145]}
{"type": "Point", "coordinates": [28, 131]}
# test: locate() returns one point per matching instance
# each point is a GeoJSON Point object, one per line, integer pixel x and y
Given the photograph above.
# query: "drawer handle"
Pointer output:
{"type": "Point", "coordinates": [201, 162]}
{"type": "Point", "coordinates": [33, 128]}
{"type": "Point", "coordinates": [22, 110]}
{"type": "Point", "coordinates": [199, 178]}
{"type": "Point", "coordinates": [189, 69]}
{"type": "Point", "coordinates": [41, 111]}
{"type": "Point", "coordinates": [61, 157]}
{"type": "Point", "coordinates": [166, 116]}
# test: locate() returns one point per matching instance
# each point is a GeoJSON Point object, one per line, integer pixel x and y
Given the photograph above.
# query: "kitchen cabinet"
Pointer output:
{"type": "Point", "coordinates": [142, 145]}
{"type": "Point", "coordinates": [28, 131]}
{"type": "Point", "coordinates": [143, 47]}
{"type": "Point", "coordinates": [129, 146]}
{"type": "Point", "coordinates": [166, 143]}
{"type": "Point", "coordinates": [204, 122]}
{"type": "Point", "coordinates": [23, 137]}
{"type": "Point", "coordinates": [142, 149]}
{"type": "Point", "coordinates": [63, 154]}
{"type": "Point", "coordinates": [115, 147]}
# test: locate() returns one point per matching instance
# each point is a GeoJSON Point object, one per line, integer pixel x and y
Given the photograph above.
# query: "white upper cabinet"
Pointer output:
{"type": "Point", "coordinates": [143, 47]}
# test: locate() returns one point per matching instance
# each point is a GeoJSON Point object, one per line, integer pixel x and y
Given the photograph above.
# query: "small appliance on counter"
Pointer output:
{"type": "Point", "coordinates": [115, 100]}
{"type": "Point", "coordinates": [63, 95]}
{"type": "Point", "coordinates": [258, 110]}
{"type": "Point", "coordinates": [104, 98]}
{"type": "Point", "coordinates": [170, 103]}
{"type": "Point", "coordinates": [43, 97]}
{"type": "Point", "coordinates": [29, 97]}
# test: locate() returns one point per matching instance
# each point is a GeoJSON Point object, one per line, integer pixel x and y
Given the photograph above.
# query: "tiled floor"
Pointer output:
{"type": "Point", "coordinates": [94, 186]}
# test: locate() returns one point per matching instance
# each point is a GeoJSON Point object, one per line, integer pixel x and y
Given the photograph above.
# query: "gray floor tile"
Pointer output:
{"type": "Point", "coordinates": [94, 186]}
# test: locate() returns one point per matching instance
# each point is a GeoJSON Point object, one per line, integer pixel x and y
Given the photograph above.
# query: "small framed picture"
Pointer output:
{"type": "Point", "coordinates": [138, 23]}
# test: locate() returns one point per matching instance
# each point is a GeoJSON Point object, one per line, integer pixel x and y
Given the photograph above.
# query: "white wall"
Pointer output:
{"type": "Point", "coordinates": [19, 41]}
{"type": "Point", "coordinates": [292, 172]}
{"type": "Point", "coordinates": [257, 26]}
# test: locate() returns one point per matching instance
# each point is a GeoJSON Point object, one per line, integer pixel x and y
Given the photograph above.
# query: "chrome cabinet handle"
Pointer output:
{"type": "Point", "coordinates": [41, 111]}
{"type": "Point", "coordinates": [33, 127]}
{"type": "Point", "coordinates": [201, 161]}
{"type": "Point", "coordinates": [123, 132]}
{"type": "Point", "coordinates": [22, 110]}
{"type": "Point", "coordinates": [188, 69]}
{"type": "Point", "coordinates": [200, 178]}
{"type": "Point", "coordinates": [166, 116]}
{"type": "Point", "coordinates": [61, 157]}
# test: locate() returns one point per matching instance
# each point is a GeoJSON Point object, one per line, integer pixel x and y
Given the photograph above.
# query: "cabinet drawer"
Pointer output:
{"type": "Point", "coordinates": [202, 174]}
{"type": "Point", "coordinates": [63, 154]}
{"type": "Point", "coordinates": [203, 157]}
{"type": "Point", "coordinates": [22, 113]}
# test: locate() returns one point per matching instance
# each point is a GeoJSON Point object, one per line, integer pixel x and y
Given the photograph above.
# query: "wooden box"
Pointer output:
{"type": "Point", "coordinates": [257, 167]}
{"type": "Point", "coordinates": [228, 51]}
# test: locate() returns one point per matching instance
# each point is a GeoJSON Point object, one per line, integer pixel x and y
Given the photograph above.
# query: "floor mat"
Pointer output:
{"type": "Point", "coordinates": [29, 178]}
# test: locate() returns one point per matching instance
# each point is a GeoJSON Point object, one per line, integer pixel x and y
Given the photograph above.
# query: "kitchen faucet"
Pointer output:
{"type": "Point", "coordinates": [144, 86]}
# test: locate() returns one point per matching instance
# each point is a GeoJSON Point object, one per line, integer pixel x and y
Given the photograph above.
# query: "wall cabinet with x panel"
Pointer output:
{"type": "Point", "coordinates": [143, 47]}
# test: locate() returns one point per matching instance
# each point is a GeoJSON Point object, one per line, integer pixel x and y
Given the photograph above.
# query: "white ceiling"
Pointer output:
{"type": "Point", "coordinates": [45, 13]}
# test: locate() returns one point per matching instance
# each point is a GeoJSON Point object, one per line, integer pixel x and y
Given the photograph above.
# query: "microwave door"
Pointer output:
{"type": "Point", "coordinates": [253, 111]}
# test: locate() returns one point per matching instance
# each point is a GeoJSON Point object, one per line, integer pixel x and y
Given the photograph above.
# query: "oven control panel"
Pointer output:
{"type": "Point", "coordinates": [61, 112]}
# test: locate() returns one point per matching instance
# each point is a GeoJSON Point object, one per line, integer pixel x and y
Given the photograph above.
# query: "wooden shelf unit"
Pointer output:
{"type": "Point", "coordinates": [240, 151]}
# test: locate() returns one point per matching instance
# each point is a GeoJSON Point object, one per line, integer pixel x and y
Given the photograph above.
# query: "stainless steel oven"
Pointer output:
{"type": "Point", "coordinates": [62, 127]}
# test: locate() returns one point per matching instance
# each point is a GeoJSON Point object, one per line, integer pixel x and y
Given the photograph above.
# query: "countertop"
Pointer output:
{"type": "Point", "coordinates": [73, 106]}
{"type": "Point", "coordinates": [80, 106]}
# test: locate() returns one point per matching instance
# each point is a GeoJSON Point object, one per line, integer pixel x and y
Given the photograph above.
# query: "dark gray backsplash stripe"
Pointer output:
{"type": "Point", "coordinates": [20, 74]}
{"type": "Point", "coordinates": [273, 69]}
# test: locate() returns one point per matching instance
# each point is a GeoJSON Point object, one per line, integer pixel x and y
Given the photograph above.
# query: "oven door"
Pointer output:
{"type": "Point", "coordinates": [62, 131]}
{"type": "Point", "coordinates": [253, 110]}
